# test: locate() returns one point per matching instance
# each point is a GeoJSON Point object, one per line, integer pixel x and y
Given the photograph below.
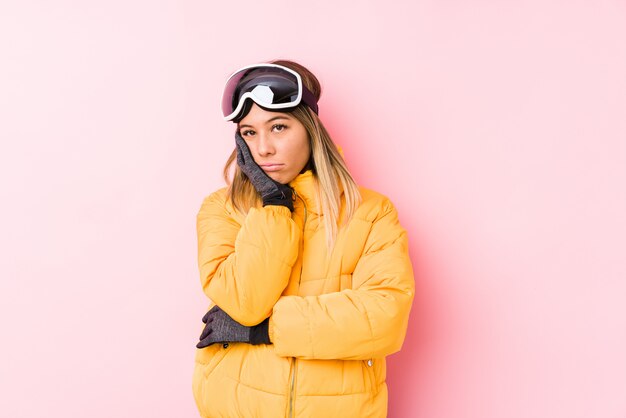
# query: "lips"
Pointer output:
{"type": "Point", "coordinates": [272, 167]}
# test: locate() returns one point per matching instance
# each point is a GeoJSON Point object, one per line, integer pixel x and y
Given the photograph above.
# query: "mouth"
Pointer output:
{"type": "Point", "coordinates": [272, 167]}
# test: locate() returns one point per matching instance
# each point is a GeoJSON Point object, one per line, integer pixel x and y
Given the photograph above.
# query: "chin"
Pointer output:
{"type": "Point", "coordinates": [277, 178]}
{"type": "Point", "coordinates": [281, 178]}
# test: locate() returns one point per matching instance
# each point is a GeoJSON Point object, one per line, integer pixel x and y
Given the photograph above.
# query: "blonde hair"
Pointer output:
{"type": "Point", "coordinates": [329, 169]}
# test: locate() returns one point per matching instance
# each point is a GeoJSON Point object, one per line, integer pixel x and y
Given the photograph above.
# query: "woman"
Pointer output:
{"type": "Point", "coordinates": [309, 274]}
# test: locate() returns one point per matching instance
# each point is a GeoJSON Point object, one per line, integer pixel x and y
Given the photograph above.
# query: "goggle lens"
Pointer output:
{"type": "Point", "coordinates": [269, 85]}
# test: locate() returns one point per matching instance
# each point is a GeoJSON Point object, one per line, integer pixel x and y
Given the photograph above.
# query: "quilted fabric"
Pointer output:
{"type": "Point", "coordinates": [333, 317]}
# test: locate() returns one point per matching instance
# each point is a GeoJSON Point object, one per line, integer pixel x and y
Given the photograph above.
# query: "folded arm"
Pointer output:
{"type": "Point", "coordinates": [367, 321]}
{"type": "Point", "coordinates": [244, 268]}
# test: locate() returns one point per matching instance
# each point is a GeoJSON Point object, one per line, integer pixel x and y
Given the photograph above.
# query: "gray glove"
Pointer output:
{"type": "Point", "coordinates": [272, 192]}
{"type": "Point", "coordinates": [221, 328]}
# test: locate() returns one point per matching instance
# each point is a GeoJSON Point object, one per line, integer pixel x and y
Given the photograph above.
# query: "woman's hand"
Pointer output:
{"type": "Point", "coordinates": [272, 192]}
{"type": "Point", "coordinates": [221, 328]}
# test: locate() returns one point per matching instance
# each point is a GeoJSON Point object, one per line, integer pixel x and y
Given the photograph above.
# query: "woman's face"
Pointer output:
{"type": "Point", "coordinates": [279, 142]}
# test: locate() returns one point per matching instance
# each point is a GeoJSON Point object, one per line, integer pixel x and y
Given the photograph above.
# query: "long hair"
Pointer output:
{"type": "Point", "coordinates": [329, 169]}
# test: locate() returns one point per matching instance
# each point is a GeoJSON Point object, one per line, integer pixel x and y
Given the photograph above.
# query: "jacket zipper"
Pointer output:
{"type": "Point", "coordinates": [369, 365]}
{"type": "Point", "coordinates": [292, 389]}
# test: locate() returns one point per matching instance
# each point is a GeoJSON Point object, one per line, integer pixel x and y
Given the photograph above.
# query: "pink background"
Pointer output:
{"type": "Point", "coordinates": [497, 128]}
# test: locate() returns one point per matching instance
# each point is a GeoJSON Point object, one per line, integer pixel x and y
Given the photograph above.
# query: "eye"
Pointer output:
{"type": "Point", "coordinates": [246, 132]}
{"type": "Point", "coordinates": [279, 127]}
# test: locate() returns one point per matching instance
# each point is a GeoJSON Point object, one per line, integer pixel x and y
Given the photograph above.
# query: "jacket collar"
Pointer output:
{"type": "Point", "coordinates": [305, 185]}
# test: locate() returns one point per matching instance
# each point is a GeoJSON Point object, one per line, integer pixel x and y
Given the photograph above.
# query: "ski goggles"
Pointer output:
{"type": "Point", "coordinates": [271, 86]}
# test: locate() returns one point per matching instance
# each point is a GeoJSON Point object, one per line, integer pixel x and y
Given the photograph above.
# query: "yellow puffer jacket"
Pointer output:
{"type": "Point", "coordinates": [334, 317]}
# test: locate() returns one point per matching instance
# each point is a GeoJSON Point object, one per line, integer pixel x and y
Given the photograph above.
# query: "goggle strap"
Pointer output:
{"type": "Point", "coordinates": [309, 99]}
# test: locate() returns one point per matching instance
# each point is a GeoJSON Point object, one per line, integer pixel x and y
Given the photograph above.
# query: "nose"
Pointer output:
{"type": "Point", "coordinates": [265, 145]}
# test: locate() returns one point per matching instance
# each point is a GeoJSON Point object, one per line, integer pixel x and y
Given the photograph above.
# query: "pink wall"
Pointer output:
{"type": "Point", "coordinates": [497, 128]}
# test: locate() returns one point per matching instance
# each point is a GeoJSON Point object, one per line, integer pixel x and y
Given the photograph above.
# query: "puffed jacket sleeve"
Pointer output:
{"type": "Point", "coordinates": [244, 268]}
{"type": "Point", "coordinates": [367, 321]}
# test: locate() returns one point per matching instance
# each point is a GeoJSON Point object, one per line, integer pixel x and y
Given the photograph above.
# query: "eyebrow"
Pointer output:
{"type": "Point", "coordinates": [266, 122]}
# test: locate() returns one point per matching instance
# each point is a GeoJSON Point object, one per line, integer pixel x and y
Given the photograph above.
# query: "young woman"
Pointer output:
{"type": "Point", "coordinates": [309, 274]}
